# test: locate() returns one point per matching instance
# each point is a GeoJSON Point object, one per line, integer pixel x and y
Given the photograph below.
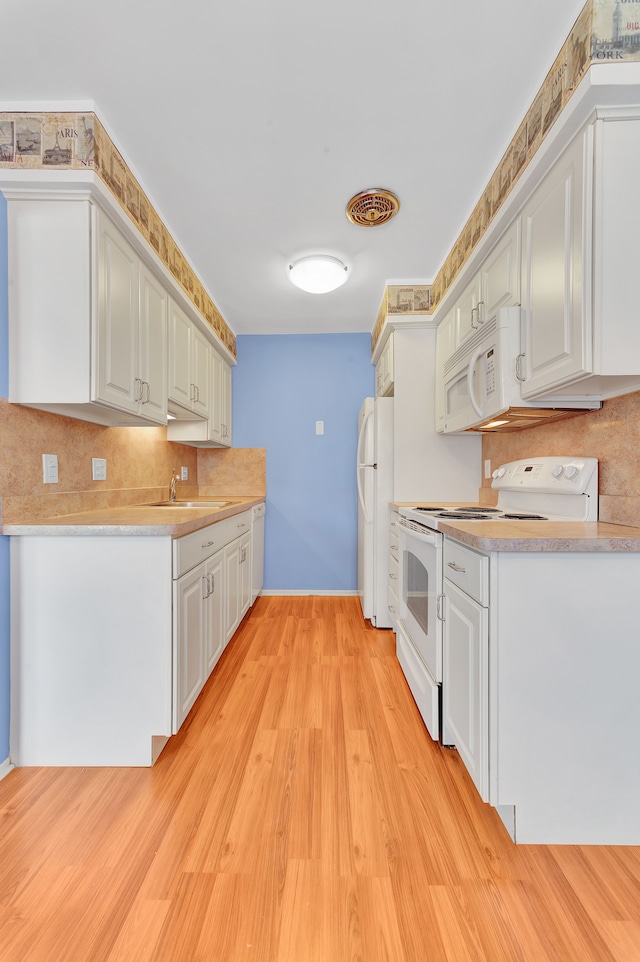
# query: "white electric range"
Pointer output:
{"type": "Point", "coordinates": [531, 490]}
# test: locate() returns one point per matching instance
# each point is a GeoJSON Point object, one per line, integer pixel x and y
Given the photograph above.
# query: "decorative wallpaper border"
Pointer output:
{"type": "Point", "coordinates": [607, 31]}
{"type": "Point", "coordinates": [77, 141]}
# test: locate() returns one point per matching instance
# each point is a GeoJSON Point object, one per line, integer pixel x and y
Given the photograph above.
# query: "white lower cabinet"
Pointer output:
{"type": "Point", "coordinates": [114, 636]}
{"type": "Point", "coordinates": [209, 601]}
{"type": "Point", "coordinates": [540, 686]}
{"type": "Point", "coordinates": [198, 630]}
{"type": "Point", "coordinates": [465, 692]}
{"type": "Point", "coordinates": [394, 564]}
{"type": "Point", "coordinates": [237, 565]}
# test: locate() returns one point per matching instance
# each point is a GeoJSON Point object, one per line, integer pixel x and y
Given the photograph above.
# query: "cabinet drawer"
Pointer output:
{"type": "Point", "coordinates": [393, 536]}
{"type": "Point", "coordinates": [197, 547]}
{"type": "Point", "coordinates": [467, 569]}
{"type": "Point", "coordinates": [393, 605]}
{"type": "Point", "coordinates": [393, 573]}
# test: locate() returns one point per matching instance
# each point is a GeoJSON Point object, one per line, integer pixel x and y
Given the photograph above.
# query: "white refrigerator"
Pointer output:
{"type": "Point", "coordinates": [375, 492]}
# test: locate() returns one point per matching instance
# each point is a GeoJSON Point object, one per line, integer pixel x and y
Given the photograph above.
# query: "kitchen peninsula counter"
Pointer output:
{"type": "Point", "coordinates": [532, 536]}
{"type": "Point", "coordinates": [135, 519]}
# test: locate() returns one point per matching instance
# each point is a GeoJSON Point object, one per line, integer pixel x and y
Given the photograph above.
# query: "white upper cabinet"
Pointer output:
{"type": "Point", "coordinates": [467, 309]}
{"type": "Point", "coordinates": [555, 344]}
{"type": "Point", "coordinates": [87, 322]}
{"type": "Point", "coordinates": [500, 275]}
{"type": "Point", "coordinates": [580, 332]}
{"type": "Point", "coordinates": [385, 370]}
{"type": "Point", "coordinates": [214, 430]}
{"type": "Point", "coordinates": [189, 366]}
{"type": "Point", "coordinates": [495, 285]}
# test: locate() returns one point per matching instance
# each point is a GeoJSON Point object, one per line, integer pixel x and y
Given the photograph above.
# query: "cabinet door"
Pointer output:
{"type": "Point", "coordinates": [189, 637]}
{"type": "Point", "coordinates": [445, 336]}
{"type": "Point", "coordinates": [465, 686]}
{"type": "Point", "coordinates": [467, 310]}
{"type": "Point", "coordinates": [500, 275]}
{"type": "Point", "coordinates": [116, 381]}
{"type": "Point", "coordinates": [555, 341]}
{"type": "Point", "coordinates": [226, 413]}
{"type": "Point", "coordinates": [154, 303]}
{"type": "Point", "coordinates": [217, 400]}
{"type": "Point", "coordinates": [214, 629]}
{"type": "Point", "coordinates": [179, 383]}
{"type": "Point", "coordinates": [232, 587]}
{"type": "Point", "coordinates": [200, 374]}
{"type": "Point", "coordinates": [245, 573]}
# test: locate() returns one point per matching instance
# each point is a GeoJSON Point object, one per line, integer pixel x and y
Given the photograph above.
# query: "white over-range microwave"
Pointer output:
{"type": "Point", "coordinates": [481, 382]}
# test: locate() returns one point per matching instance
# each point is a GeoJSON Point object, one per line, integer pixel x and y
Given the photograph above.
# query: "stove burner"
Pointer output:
{"type": "Point", "coordinates": [460, 516]}
{"type": "Point", "coordinates": [427, 509]}
{"type": "Point", "coordinates": [524, 517]}
{"type": "Point", "coordinates": [480, 510]}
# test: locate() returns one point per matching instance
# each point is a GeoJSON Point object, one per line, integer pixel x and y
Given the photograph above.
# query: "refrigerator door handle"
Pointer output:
{"type": "Point", "coordinates": [361, 469]}
{"type": "Point", "coordinates": [362, 465]}
{"type": "Point", "coordinates": [362, 437]}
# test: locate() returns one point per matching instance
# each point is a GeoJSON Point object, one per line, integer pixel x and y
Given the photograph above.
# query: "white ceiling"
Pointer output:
{"type": "Point", "coordinates": [251, 124]}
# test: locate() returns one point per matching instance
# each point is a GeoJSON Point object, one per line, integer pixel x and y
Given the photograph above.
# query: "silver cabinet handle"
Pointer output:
{"type": "Point", "coordinates": [392, 609]}
{"type": "Point", "coordinates": [213, 584]}
{"type": "Point", "coordinates": [440, 607]}
{"type": "Point", "coordinates": [480, 312]}
{"type": "Point", "coordinates": [208, 544]}
{"type": "Point", "coordinates": [138, 389]}
{"type": "Point", "coordinates": [393, 577]}
{"type": "Point", "coordinates": [243, 525]}
{"type": "Point", "coordinates": [474, 310]}
{"type": "Point", "coordinates": [145, 386]}
{"type": "Point", "coordinates": [205, 579]}
{"type": "Point", "coordinates": [456, 567]}
{"type": "Point", "coordinates": [519, 374]}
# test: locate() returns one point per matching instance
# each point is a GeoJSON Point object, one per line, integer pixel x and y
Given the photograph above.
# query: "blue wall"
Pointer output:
{"type": "Point", "coordinates": [4, 542]}
{"type": "Point", "coordinates": [282, 385]}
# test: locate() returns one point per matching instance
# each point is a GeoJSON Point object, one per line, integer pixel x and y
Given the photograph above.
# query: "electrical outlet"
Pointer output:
{"type": "Point", "coordinates": [49, 468]}
{"type": "Point", "coordinates": [98, 469]}
{"type": "Point", "coordinates": [184, 473]}
{"type": "Point", "coordinates": [487, 468]}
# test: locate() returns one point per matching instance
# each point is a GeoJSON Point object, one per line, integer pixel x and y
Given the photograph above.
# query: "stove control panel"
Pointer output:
{"type": "Point", "coordinates": [548, 475]}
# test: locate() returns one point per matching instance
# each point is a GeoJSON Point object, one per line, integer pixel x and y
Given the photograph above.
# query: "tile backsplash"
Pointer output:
{"type": "Point", "coordinates": [139, 465]}
{"type": "Point", "coordinates": [612, 435]}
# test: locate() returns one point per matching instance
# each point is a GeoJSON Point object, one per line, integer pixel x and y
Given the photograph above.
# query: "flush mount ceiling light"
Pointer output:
{"type": "Point", "coordinates": [373, 207]}
{"type": "Point", "coordinates": [318, 273]}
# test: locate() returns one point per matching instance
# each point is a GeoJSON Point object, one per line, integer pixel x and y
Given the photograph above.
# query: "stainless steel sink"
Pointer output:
{"type": "Point", "coordinates": [190, 504]}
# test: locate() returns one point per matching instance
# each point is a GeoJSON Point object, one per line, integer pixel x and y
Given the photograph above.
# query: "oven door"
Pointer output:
{"type": "Point", "coordinates": [419, 639]}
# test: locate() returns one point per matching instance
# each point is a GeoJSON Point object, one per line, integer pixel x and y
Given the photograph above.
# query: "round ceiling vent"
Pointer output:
{"type": "Point", "coordinates": [372, 207]}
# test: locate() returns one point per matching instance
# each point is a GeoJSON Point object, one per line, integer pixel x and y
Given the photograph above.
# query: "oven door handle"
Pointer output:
{"type": "Point", "coordinates": [425, 536]}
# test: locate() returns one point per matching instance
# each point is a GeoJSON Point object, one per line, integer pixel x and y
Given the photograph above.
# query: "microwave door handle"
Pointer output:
{"type": "Point", "coordinates": [472, 369]}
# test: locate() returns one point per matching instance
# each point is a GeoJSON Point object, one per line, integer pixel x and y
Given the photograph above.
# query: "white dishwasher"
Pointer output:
{"type": "Point", "coordinates": [257, 565]}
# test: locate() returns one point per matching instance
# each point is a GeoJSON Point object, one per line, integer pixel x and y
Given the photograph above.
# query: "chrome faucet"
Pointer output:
{"type": "Point", "coordinates": [172, 487]}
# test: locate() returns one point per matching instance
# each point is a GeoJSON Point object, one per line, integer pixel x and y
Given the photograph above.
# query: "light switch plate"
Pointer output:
{"type": "Point", "coordinates": [184, 475]}
{"type": "Point", "coordinates": [99, 469]}
{"type": "Point", "coordinates": [319, 427]}
{"type": "Point", "coordinates": [49, 468]}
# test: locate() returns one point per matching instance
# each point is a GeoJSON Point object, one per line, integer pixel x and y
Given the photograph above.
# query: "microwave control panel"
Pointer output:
{"type": "Point", "coordinates": [490, 373]}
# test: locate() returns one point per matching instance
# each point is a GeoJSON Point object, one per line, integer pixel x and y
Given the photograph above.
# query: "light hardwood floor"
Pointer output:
{"type": "Point", "coordinates": [302, 814]}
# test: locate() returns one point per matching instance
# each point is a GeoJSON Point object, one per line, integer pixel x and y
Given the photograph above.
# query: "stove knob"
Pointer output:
{"type": "Point", "coordinates": [499, 473]}
{"type": "Point", "coordinates": [557, 471]}
{"type": "Point", "coordinates": [571, 471]}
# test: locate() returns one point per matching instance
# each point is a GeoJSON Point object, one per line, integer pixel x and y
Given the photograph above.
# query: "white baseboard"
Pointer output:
{"type": "Point", "coordinates": [5, 767]}
{"type": "Point", "coordinates": [305, 592]}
